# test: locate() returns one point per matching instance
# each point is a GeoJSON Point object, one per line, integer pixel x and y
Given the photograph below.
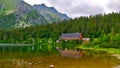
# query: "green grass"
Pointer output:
{"type": "Point", "coordinates": [109, 50]}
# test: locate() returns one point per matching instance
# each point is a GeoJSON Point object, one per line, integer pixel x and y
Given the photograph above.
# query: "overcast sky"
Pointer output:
{"type": "Point", "coordinates": [76, 8]}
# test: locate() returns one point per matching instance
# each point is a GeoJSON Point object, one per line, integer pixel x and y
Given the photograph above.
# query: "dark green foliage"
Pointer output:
{"type": "Point", "coordinates": [101, 28]}
{"type": "Point", "coordinates": [110, 45]}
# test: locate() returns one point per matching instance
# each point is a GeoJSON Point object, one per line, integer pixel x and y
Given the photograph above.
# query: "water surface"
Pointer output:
{"type": "Point", "coordinates": [90, 59]}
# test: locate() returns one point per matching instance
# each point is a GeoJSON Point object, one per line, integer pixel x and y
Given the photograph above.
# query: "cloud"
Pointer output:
{"type": "Point", "coordinates": [74, 8]}
{"type": "Point", "coordinates": [114, 5]}
{"type": "Point", "coordinates": [32, 2]}
{"type": "Point", "coordinates": [77, 7]}
{"type": "Point", "coordinates": [61, 5]}
{"type": "Point", "coordinates": [87, 9]}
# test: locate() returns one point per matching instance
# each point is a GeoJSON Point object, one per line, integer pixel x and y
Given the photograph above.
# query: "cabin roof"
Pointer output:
{"type": "Point", "coordinates": [70, 35]}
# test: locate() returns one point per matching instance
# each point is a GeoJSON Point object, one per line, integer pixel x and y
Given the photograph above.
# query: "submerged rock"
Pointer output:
{"type": "Point", "coordinates": [30, 63]}
{"type": "Point", "coordinates": [117, 66]}
{"type": "Point", "coordinates": [118, 56]}
{"type": "Point", "coordinates": [39, 62]}
{"type": "Point", "coordinates": [51, 66]}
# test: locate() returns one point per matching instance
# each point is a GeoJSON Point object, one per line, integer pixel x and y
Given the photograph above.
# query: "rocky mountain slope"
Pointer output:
{"type": "Point", "coordinates": [50, 13]}
{"type": "Point", "coordinates": [17, 13]}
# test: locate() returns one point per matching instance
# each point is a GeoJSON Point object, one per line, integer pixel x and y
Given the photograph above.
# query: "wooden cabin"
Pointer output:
{"type": "Point", "coordinates": [73, 36]}
{"type": "Point", "coordinates": [70, 36]}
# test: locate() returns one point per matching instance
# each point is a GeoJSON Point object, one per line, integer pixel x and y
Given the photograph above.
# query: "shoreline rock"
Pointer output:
{"type": "Point", "coordinates": [117, 66]}
{"type": "Point", "coordinates": [118, 56]}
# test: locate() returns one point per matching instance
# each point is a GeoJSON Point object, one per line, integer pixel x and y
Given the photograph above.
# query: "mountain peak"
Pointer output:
{"type": "Point", "coordinates": [43, 4]}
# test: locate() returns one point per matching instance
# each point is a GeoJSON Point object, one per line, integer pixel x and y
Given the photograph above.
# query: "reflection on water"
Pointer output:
{"type": "Point", "coordinates": [90, 59]}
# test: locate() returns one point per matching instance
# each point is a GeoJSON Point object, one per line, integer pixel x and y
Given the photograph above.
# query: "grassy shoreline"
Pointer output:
{"type": "Point", "coordinates": [109, 50]}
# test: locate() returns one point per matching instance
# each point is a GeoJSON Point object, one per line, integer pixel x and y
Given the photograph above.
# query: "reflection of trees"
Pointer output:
{"type": "Point", "coordinates": [94, 53]}
{"type": "Point", "coordinates": [99, 56]}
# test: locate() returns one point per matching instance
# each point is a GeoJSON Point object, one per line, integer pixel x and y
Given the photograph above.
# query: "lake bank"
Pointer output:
{"type": "Point", "coordinates": [114, 52]}
{"type": "Point", "coordinates": [109, 50]}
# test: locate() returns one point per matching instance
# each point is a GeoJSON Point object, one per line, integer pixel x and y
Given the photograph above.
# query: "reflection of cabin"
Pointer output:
{"type": "Point", "coordinates": [70, 36]}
